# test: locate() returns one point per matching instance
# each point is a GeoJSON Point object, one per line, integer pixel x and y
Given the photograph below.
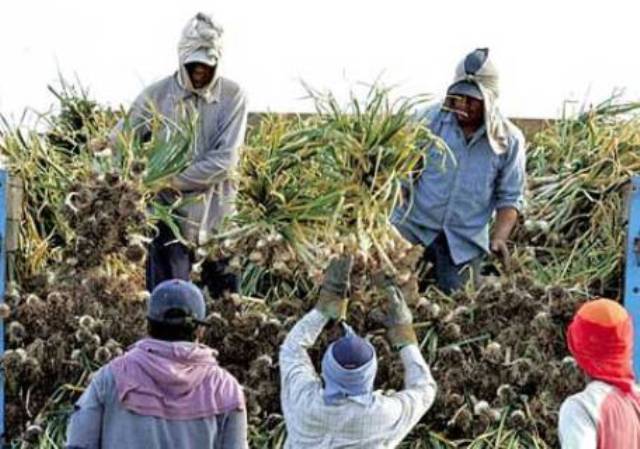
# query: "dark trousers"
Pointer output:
{"type": "Point", "coordinates": [170, 259]}
{"type": "Point", "coordinates": [445, 274]}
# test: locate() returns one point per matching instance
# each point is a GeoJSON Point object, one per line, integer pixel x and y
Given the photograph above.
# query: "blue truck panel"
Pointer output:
{"type": "Point", "coordinates": [632, 268]}
{"type": "Point", "coordinates": [4, 184]}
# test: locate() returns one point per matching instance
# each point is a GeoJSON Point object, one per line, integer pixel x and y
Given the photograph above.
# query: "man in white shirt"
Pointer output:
{"type": "Point", "coordinates": [339, 409]}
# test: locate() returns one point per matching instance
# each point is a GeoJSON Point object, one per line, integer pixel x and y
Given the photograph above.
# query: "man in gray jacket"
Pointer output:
{"type": "Point", "coordinates": [166, 391]}
{"type": "Point", "coordinates": [205, 185]}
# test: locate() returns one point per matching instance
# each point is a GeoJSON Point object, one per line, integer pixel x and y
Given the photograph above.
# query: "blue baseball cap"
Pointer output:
{"type": "Point", "coordinates": [176, 295]}
{"type": "Point", "coordinates": [466, 89]}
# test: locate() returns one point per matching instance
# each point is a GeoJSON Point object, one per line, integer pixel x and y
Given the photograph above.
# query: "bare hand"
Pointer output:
{"type": "Point", "coordinates": [499, 248]}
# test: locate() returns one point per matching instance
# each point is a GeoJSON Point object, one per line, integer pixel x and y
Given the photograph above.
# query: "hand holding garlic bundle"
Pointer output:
{"type": "Point", "coordinates": [332, 299]}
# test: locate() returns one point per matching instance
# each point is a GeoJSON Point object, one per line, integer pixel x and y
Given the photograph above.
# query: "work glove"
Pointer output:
{"type": "Point", "coordinates": [399, 320]}
{"type": "Point", "coordinates": [332, 300]}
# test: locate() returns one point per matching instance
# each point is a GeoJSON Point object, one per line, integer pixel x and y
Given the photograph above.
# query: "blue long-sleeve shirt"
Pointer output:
{"type": "Point", "coordinates": [458, 191]}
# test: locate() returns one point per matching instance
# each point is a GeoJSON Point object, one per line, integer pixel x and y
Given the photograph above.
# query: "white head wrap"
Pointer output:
{"type": "Point", "coordinates": [201, 40]}
{"type": "Point", "coordinates": [478, 68]}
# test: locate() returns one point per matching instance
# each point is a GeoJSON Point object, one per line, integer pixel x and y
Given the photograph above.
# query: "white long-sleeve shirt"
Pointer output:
{"type": "Point", "coordinates": [599, 417]}
{"type": "Point", "coordinates": [350, 424]}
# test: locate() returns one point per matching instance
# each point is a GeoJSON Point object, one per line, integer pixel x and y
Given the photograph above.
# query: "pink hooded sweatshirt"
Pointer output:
{"type": "Point", "coordinates": [176, 381]}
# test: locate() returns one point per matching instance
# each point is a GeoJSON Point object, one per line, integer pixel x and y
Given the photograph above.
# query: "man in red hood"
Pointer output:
{"type": "Point", "coordinates": [167, 391]}
{"type": "Point", "coordinates": [606, 414]}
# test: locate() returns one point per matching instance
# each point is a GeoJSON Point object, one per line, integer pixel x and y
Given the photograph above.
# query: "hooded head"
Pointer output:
{"type": "Point", "coordinates": [476, 81]}
{"type": "Point", "coordinates": [600, 337]}
{"type": "Point", "coordinates": [349, 369]}
{"type": "Point", "coordinates": [199, 53]}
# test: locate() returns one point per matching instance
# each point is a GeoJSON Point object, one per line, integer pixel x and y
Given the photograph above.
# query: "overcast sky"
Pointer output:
{"type": "Point", "coordinates": [547, 51]}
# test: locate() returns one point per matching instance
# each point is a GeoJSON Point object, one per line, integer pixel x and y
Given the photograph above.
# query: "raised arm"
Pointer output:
{"type": "Point", "coordinates": [419, 386]}
{"type": "Point", "coordinates": [296, 368]}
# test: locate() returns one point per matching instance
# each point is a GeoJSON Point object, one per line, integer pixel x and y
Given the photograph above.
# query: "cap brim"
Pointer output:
{"type": "Point", "coordinates": [204, 61]}
{"type": "Point", "coordinates": [466, 90]}
{"type": "Point", "coordinates": [179, 321]}
{"type": "Point", "coordinates": [202, 57]}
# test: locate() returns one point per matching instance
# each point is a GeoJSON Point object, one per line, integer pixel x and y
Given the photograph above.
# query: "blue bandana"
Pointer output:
{"type": "Point", "coordinates": [355, 383]}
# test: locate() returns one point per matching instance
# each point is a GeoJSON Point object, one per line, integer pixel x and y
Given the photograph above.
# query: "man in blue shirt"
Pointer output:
{"type": "Point", "coordinates": [448, 207]}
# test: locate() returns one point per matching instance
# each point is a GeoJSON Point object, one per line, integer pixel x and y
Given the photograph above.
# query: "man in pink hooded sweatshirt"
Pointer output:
{"type": "Point", "coordinates": [167, 391]}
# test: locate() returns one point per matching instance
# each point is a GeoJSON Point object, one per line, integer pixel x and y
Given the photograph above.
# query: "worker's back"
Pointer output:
{"type": "Point", "coordinates": [161, 395]}
{"type": "Point", "coordinates": [351, 424]}
{"type": "Point", "coordinates": [600, 417]}
{"type": "Point", "coordinates": [121, 428]}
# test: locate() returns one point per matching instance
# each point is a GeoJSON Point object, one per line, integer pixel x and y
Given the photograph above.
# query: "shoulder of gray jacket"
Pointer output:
{"type": "Point", "coordinates": [149, 95]}
{"type": "Point", "coordinates": [230, 86]}
{"type": "Point", "coordinates": [158, 87]}
{"type": "Point", "coordinates": [231, 91]}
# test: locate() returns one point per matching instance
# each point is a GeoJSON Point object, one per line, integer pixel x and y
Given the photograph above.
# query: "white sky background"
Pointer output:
{"type": "Point", "coordinates": [546, 50]}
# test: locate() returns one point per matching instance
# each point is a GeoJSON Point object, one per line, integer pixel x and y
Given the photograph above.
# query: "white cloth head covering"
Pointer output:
{"type": "Point", "coordinates": [201, 41]}
{"type": "Point", "coordinates": [478, 68]}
